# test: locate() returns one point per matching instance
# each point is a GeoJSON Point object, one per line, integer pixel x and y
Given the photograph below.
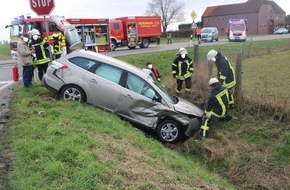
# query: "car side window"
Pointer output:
{"type": "Point", "coordinates": [139, 86]}
{"type": "Point", "coordinates": [109, 72]}
{"type": "Point", "coordinates": [84, 63]}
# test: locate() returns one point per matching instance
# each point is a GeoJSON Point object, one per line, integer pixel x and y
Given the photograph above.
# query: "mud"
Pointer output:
{"type": "Point", "coordinates": [5, 96]}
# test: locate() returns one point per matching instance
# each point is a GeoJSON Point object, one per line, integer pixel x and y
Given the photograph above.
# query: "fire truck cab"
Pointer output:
{"type": "Point", "coordinates": [21, 24]}
{"type": "Point", "coordinates": [237, 30]}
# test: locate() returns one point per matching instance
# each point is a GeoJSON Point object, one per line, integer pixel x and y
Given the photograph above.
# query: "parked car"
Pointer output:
{"type": "Point", "coordinates": [123, 89]}
{"type": "Point", "coordinates": [209, 34]}
{"type": "Point", "coordinates": [281, 31]}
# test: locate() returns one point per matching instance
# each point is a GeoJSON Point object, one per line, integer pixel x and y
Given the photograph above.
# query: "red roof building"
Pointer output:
{"type": "Point", "coordinates": [263, 16]}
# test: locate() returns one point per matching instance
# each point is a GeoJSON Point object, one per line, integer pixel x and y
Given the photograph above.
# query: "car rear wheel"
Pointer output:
{"type": "Point", "coordinates": [168, 131]}
{"type": "Point", "coordinates": [73, 92]}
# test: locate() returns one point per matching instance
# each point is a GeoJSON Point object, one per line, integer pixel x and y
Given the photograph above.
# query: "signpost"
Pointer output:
{"type": "Point", "coordinates": [193, 14]}
{"type": "Point", "coordinates": [42, 7]}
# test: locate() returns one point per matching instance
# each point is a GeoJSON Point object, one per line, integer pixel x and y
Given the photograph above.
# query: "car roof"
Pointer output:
{"type": "Point", "coordinates": [104, 58]}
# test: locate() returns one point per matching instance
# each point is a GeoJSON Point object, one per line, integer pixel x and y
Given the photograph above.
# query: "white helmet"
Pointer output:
{"type": "Point", "coordinates": [213, 81]}
{"type": "Point", "coordinates": [211, 54]}
{"type": "Point", "coordinates": [34, 32]}
{"type": "Point", "coordinates": [55, 35]}
{"type": "Point", "coordinates": [182, 51]}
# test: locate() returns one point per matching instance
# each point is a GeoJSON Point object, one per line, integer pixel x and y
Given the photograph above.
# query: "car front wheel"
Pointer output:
{"type": "Point", "coordinates": [168, 131]}
{"type": "Point", "coordinates": [73, 92]}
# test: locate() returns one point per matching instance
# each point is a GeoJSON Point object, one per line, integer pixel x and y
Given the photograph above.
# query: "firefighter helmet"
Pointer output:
{"type": "Point", "coordinates": [182, 50]}
{"type": "Point", "coordinates": [213, 81]}
{"type": "Point", "coordinates": [34, 32]}
{"type": "Point", "coordinates": [211, 54]}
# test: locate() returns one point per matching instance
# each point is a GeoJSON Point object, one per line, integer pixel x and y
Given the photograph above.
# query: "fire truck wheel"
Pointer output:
{"type": "Point", "coordinates": [145, 43]}
{"type": "Point", "coordinates": [113, 45]}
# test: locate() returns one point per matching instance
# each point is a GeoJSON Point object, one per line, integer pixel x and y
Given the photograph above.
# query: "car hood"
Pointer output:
{"type": "Point", "coordinates": [186, 107]}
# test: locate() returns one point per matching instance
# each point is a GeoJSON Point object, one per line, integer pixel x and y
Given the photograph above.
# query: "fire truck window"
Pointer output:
{"type": "Point", "coordinates": [37, 26]}
{"type": "Point", "coordinates": [116, 26]}
{"type": "Point", "coordinates": [52, 27]}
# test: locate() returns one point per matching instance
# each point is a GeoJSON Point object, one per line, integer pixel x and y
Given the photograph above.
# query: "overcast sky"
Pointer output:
{"type": "Point", "coordinates": [106, 9]}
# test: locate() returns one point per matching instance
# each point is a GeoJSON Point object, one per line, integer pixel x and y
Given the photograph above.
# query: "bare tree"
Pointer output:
{"type": "Point", "coordinates": [170, 11]}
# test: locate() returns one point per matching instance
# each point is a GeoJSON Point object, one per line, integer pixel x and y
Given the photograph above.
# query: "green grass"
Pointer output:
{"type": "Point", "coordinates": [57, 144]}
{"type": "Point", "coordinates": [5, 52]}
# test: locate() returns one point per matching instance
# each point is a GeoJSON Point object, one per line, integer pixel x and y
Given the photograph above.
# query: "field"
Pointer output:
{"type": "Point", "coordinates": [66, 145]}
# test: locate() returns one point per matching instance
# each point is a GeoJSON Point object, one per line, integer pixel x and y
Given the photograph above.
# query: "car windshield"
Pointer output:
{"type": "Point", "coordinates": [206, 30]}
{"type": "Point", "coordinates": [169, 97]}
{"type": "Point", "coordinates": [237, 27]}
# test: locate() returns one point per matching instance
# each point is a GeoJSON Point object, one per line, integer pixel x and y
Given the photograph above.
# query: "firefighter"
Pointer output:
{"type": "Point", "coordinates": [154, 70]}
{"type": "Point", "coordinates": [57, 50]}
{"type": "Point", "coordinates": [169, 37]}
{"type": "Point", "coordinates": [62, 42]}
{"type": "Point", "coordinates": [226, 73]}
{"type": "Point", "coordinates": [182, 70]}
{"type": "Point", "coordinates": [217, 106]}
{"type": "Point", "coordinates": [42, 57]}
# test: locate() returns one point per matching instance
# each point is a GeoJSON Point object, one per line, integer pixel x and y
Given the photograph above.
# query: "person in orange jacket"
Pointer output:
{"type": "Point", "coordinates": [198, 34]}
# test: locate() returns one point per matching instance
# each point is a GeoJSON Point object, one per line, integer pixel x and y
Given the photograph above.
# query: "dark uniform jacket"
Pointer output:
{"type": "Point", "coordinates": [226, 73]}
{"type": "Point", "coordinates": [182, 68]}
{"type": "Point", "coordinates": [41, 50]}
{"type": "Point", "coordinates": [218, 101]}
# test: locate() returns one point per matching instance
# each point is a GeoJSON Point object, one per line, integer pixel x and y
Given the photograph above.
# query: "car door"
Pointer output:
{"type": "Point", "coordinates": [137, 101]}
{"type": "Point", "coordinates": [104, 89]}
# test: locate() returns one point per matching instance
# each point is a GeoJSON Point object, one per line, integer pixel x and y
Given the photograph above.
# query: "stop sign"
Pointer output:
{"type": "Point", "coordinates": [42, 7]}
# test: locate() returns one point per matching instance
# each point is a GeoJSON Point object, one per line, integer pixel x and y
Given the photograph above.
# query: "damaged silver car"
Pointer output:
{"type": "Point", "coordinates": [123, 89]}
{"type": "Point", "coordinates": [120, 88]}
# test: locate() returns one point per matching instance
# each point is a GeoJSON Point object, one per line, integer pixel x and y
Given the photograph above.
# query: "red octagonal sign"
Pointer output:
{"type": "Point", "coordinates": [42, 7]}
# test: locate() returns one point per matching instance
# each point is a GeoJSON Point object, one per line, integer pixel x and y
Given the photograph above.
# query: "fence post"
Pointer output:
{"type": "Point", "coordinates": [250, 47]}
{"type": "Point", "coordinates": [239, 71]}
{"type": "Point", "coordinates": [196, 54]}
{"type": "Point", "coordinates": [195, 59]}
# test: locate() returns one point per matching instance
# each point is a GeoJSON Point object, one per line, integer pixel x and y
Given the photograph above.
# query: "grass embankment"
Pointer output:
{"type": "Point", "coordinates": [56, 144]}
{"type": "Point", "coordinates": [5, 52]}
{"type": "Point", "coordinates": [253, 150]}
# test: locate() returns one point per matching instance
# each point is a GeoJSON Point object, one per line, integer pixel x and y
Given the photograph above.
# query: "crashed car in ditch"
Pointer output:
{"type": "Point", "coordinates": [123, 89]}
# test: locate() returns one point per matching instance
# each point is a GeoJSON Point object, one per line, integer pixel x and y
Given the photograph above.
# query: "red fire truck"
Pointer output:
{"type": "Point", "coordinates": [94, 33]}
{"type": "Point", "coordinates": [134, 31]}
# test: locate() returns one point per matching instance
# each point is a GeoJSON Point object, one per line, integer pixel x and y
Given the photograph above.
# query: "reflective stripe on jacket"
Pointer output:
{"type": "Point", "coordinates": [218, 102]}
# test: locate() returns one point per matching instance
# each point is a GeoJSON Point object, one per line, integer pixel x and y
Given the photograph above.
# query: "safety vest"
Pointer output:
{"type": "Point", "coordinates": [41, 51]}
{"type": "Point", "coordinates": [57, 48]}
{"type": "Point", "coordinates": [61, 39]}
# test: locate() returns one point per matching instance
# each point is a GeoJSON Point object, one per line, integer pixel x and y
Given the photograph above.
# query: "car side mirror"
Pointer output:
{"type": "Point", "coordinates": [156, 98]}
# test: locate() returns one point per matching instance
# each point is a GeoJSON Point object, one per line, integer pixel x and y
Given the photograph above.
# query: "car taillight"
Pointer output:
{"type": "Point", "coordinates": [64, 67]}
{"type": "Point", "coordinates": [58, 65]}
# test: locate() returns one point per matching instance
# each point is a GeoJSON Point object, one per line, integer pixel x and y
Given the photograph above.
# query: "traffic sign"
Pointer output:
{"type": "Point", "coordinates": [42, 7]}
{"type": "Point", "coordinates": [193, 14]}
